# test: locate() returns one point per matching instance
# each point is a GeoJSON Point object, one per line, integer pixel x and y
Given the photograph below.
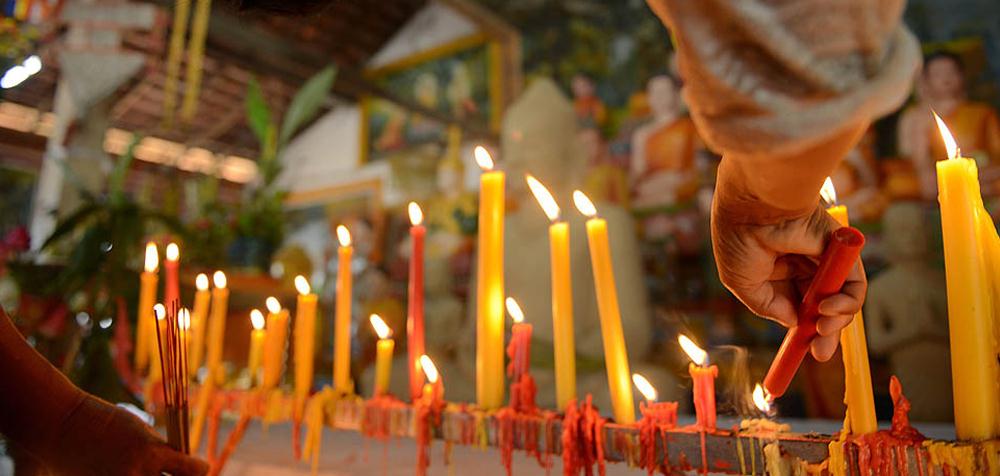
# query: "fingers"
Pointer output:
{"type": "Point", "coordinates": [831, 326]}
{"type": "Point", "coordinates": [773, 300]}
{"type": "Point", "coordinates": [805, 236]}
{"type": "Point", "coordinates": [823, 347]}
{"type": "Point", "coordinates": [178, 464]}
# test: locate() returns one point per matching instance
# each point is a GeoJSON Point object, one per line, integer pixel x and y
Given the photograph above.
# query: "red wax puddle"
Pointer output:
{"type": "Point", "coordinates": [875, 451]}
{"type": "Point", "coordinates": [656, 417]}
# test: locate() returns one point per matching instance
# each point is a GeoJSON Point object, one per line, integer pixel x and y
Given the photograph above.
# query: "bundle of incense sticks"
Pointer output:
{"type": "Point", "coordinates": [172, 327]}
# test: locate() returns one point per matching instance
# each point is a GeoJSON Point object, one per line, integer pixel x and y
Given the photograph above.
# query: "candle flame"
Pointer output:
{"type": "Point", "coordinates": [184, 319]}
{"type": "Point", "coordinates": [828, 192]}
{"type": "Point", "coordinates": [483, 158]}
{"type": "Point", "coordinates": [761, 399]}
{"type": "Point", "coordinates": [302, 285]}
{"type": "Point", "coordinates": [949, 140]}
{"type": "Point", "coordinates": [160, 311]}
{"type": "Point", "coordinates": [257, 319]}
{"type": "Point", "coordinates": [645, 388]}
{"type": "Point", "coordinates": [220, 279]}
{"type": "Point", "coordinates": [584, 204]}
{"type": "Point", "coordinates": [273, 305]}
{"type": "Point", "coordinates": [548, 204]}
{"type": "Point", "coordinates": [514, 310]}
{"type": "Point", "coordinates": [381, 328]}
{"type": "Point", "coordinates": [201, 281]}
{"type": "Point", "coordinates": [173, 252]}
{"type": "Point", "coordinates": [343, 235]}
{"type": "Point", "coordinates": [427, 365]}
{"type": "Point", "coordinates": [152, 258]}
{"type": "Point", "coordinates": [416, 214]}
{"type": "Point", "coordinates": [696, 353]}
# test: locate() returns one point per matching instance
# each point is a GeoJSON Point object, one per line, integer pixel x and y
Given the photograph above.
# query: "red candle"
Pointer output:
{"type": "Point", "coordinates": [703, 376]}
{"type": "Point", "coordinates": [415, 318]}
{"type": "Point", "coordinates": [835, 265]}
{"type": "Point", "coordinates": [171, 288]}
{"type": "Point", "coordinates": [519, 349]}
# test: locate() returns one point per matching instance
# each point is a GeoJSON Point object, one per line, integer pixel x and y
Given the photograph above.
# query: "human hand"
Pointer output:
{"type": "Point", "coordinates": [767, 258]}
{"type": "Point", "coordinates": [99, 438]}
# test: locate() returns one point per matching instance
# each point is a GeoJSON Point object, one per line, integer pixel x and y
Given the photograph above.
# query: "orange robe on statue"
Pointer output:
{"type": "Point", "coordinates": [977, 130]}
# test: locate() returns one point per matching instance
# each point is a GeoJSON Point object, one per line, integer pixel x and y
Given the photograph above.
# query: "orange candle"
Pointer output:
{"type": "Point", "coordinates": [342, 319]}
{"type": "Point", "coordinates": [489, 293]}
{"type": "Point", "coordinates": [198, 322]}
{"type": "Point", "coordinates": [415, 307]}
{"type": "Point", "coordinates": [615, 353]}
{"type": "Point", "coordinates": [563, 343]}
{"type": "Point", "coordinates": [147, 297]}
{"type": "Point", "coordinates": [305, 339]}
{"type": "Point", "coordinates": [703, 376]}
{"type": "Point", "coordinates": [434, 388]}
{"type": "Point", "coordinates": [257, 338]}
{"type": "Point", "coordinates": [275, 343]}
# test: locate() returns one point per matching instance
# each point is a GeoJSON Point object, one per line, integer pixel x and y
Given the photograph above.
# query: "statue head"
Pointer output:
{"type": "Point", "coordinates": [662, 95]}
{"type": "Point", "coordinates": [582, 86]}
{"type": "Point", "coordinates": [905, 232]}
{"type": "Point", "coordinates": [539, 137]}
{"type": "Point", "coordinates": [943, 75]}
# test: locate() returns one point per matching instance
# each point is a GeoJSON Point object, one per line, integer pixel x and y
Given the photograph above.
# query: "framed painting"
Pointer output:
{"type": "Point", "coordinates": [460, 82]}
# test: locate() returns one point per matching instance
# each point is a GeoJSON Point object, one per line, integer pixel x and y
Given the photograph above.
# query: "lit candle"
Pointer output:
{"type": "Point", "coordinates": [615, 354]}
{"type": "Point", "coordinates": [274, 343]}
{"type": "Point", "coordinates": [655, 418]}
{"type": "Point", "coordinates": [857, 374]}
{"type": "Point", "coordinates": [434, 388]}
{"type": "Point", "coordinates": [703, 376]}
{"type": "Point", "coordinates": [645, 388]}
{"type": "Point", "coordinates": [489, 293]}
{"type": "Point", "coordinates": [217, 326]}
{"type": "Point", "coordinates": [305, 340]}
{"type": "Point", "coordinates": [171, 288]}
{"type": "Point", "coordinates": [519, 349]}
{"type": "Point", "coordinates": [415, 307]}
{"type": "Point", "coordinates": [342, 320]}
{"type": "Point", "coordinates": [968, 234]}
{"type": "Point", "coordinates": [147, 297]}
{"type": "Point", "coordinates": [383, 354]}
{"type": "Point", "coordinates": [562, 296]}
{"type": "Point", "coordinates": [257, 337]}
{"type": "Point", "coordinates": [202, 296]}
{"type": "Point", "coordinates": [184, 325]}
{"type": "Point", "coordinates": [761, 399]}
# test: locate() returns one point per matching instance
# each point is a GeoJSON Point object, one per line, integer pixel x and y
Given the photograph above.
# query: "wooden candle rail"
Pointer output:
{"type": "Point", "coordinates": [726, 450]}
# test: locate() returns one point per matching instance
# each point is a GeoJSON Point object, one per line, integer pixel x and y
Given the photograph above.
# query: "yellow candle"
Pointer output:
{"type": "Point", "coordinates": [305, 338]}
{"type": "Point", "coordinates": [147, 297]}
{"type": "Point", "coordinates": [857, 373]}
{"type": "Point", "coordinates": [257, 336]}
{"type": "Point", "coordinates": [155, 370]}
{"type": "Point", "coordinates": [383, 354]}
{"type": "Point", "coordinates": [184, 325]}
{"type": "Point", "coordinates": [275, 343]}
{"type": "Point", "coordinates": [201, 300]}
{"type": "Point", "coordinates": [342, 319]}
{"type": "Point", "coordinates": [489, 293]}
{"type": "Point", "coordinates": [975, 371]}
{"type": "Point", "coordinates": [615, 354]}
{"type": "Point", "coordinates": [217, 326]}
{"type": "Point", "coordinates": [562, 296]}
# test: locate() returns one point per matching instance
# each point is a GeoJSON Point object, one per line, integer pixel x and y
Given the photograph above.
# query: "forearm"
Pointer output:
{"type": "Point", "coordinates": [37, 398]}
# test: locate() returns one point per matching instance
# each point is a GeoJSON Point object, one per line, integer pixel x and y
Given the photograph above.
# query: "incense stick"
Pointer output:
{"type": "Point", "coordinates": [172, 327]}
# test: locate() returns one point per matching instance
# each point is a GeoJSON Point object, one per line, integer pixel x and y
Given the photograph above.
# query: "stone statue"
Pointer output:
{"type": "Point", "coordinates": [906, 314]}
{"type": "Point", "coordinates": [663, 151]}
{"type": "Point", "coordinates": [940, 87]}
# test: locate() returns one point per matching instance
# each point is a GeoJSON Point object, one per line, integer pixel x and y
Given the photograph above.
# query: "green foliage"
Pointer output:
{"type": "Point", "coordinates": [306, 103]}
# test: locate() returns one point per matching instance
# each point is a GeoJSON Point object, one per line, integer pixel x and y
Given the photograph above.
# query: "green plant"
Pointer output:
{"type": "Point", "coordinates": [260, 215]}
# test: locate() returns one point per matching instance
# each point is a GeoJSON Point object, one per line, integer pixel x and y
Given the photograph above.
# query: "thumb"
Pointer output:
{"type": "Point", "coordinates": [179, 464]}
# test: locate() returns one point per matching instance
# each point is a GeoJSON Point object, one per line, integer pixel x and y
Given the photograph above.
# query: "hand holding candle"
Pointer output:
{"type": "Point", "coordinates": [703, 376]}
{"type": "Point", "coordinates": [383, 354]}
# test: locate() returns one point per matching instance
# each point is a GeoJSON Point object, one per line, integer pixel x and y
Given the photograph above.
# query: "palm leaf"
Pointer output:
{"type": "Point", "coordinates": [307, 102]}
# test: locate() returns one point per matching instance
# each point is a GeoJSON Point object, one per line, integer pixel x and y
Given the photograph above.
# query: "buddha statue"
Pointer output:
{"type": "Point", "coordinates": [906, 314]}
{"type": "Point", "coordinates": [663, 150]}
{"type": "Point", "coordinates": [940, 87]}
{"type": "Point", "coordinates": [590, 110]}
